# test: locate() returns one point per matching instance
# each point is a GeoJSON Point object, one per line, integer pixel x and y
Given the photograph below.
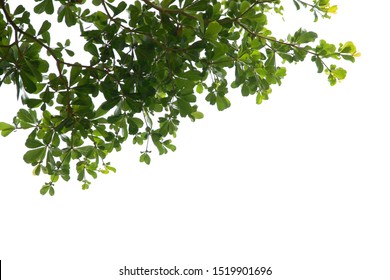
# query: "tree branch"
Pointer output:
{"type": "Point", "coordinates": [282, 43]}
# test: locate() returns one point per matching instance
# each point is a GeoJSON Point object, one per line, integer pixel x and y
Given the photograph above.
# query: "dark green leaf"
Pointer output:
{"type": "Point", "coordinates": [29, 82]}
{"type": "Point", "coordinates": [27, 116]}
{"type": "Point", "coordinates": [45, 27]}
{"type": "Point", "coordinates": [33, 143]}
{"type": "Point", "coordinates": [109, 104]}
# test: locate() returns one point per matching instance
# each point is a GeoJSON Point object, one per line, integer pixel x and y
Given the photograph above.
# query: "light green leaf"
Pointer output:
{"type": "Point", "coordinates": [244, 6]}
{"type": "Point", "coordinates": [6, 129]}
{"type": "Point", "coordinates": [212, 30]}
{"type": "Point", "coordinates": [222, 103]}
{"type": "Point", "coordinates": [109, 167]}
{"type": "Point", "coordinates": [339, 73]}
{"type": "Point", "coordinates": [259, 98]}
{"type": "Point", "coordinates": [332, 9]}
{"type": "Point", "coordinates": [199, 88]}
{"type": "Point", "coordinates": [197, 115]}
{"type": "Point", "coordinates": [348, 47]}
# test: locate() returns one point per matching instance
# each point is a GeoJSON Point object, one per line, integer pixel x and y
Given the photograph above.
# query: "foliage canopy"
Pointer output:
{"type": "Point", "coordinates": [148, 62]}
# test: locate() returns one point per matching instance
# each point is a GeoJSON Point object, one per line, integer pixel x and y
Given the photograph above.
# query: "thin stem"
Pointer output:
{"type": "Point", "coordinates": [282, 43]}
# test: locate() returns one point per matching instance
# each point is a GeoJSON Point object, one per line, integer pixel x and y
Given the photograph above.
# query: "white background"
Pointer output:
{"type": "Point", "coordinates": [299, 183]}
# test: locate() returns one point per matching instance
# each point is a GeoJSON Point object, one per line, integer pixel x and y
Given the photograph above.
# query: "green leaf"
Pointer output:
{"type": "Point", "coordinates": [156, 141]}
{"type": "Point", "coordinates": [37, 170]}
{"type": "Point", "coordinates": [110, 168]}
{"type": "Point", "coordinates": [92, 173]}
{"type": "Point", "coordinates": [49, 7]}
{"type": "Point", "coordinates": [91, 48]}
{"type": "Point", "coordinates": [348, 47]}
{"type": "Point", "coordinates": [6, 126]}
{"type": "Point", "coordinates": [199, 88]}
{"type": "Point", "coordinates": [74, 75]}
{"type": "Point", "coordinates": [54, 178]}
{"type": "Point", "coordinates": [222, 103]}
{"type": "Point", "coordinates": [348, 57]}
{"type": "Point", "coordinates": [87, 151]}
{"type": "Point", "coordinates": [33, 102]}
{"type": "Point", "coordinates": [339, 73]}
{"type": "Point", "coordinates": [29, 82]}
{"type": "Point", "coordinates": [212, 30]}
{"type": "Point", "coordinates": [45, 27]}
{"type": "Point", "coordinates": [70, 17]}
{"type": "Point", "coordinates": [259, 98]}
{"type": "Point", "coordinates": [84, 88]}
{"type": "Point", "coordinates": [69, 52]}
{"type": "Point", "coordinates": [33, 143]}
{"type": "Point", "coordinates": [319, 63]}
{"type": "Point", "coordinates": [166, 3]}
{"type": "Point", "coordinates": [41, 7]}
{"type": "Point", "coordinates": [109, 104]}
{"type": "Point", "coordinates": [35, 156]}
{"type": "Point", "coordinates": [197, 115]}
{"type": "Point", "coordinates": [120, 8]}
{"type": "Point", "coordinates": [244, 6]}
{"type": "Point", "coordinates": [6, 129]}
{"type": "Point", "coordinates": [169, 145]}
{"type": "Point", "coordinates": [19, 9]}
{"type": "Point", "coordinates": [307, 37]}
{"type": "Point", "coordinates": [195, 5]}
{"type": "Point", "coordinates": [296, 5]}
{"type": "Point", "coordinates": [332, 9]}
{"type": "Point", "coordinates": [44, 6]}
{"type": "Point", "coordinates": [27, 116]}
{"type": "Point", "coordinates": [192, 75]}
{"type": "Point", "coordinates": [145, 158]}
{"type": "Point", "coordinates": [245, 91]}
{"type": "Point", "coordinates": [44, 189]}
{"type": "Point", "coordinates": [185, 107]}
{"type": "Point", "coordinates": [134, 125]}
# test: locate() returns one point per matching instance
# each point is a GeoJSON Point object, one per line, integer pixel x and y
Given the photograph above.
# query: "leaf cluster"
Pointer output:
{"type": "Point", "coordinates": [149, 62]}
